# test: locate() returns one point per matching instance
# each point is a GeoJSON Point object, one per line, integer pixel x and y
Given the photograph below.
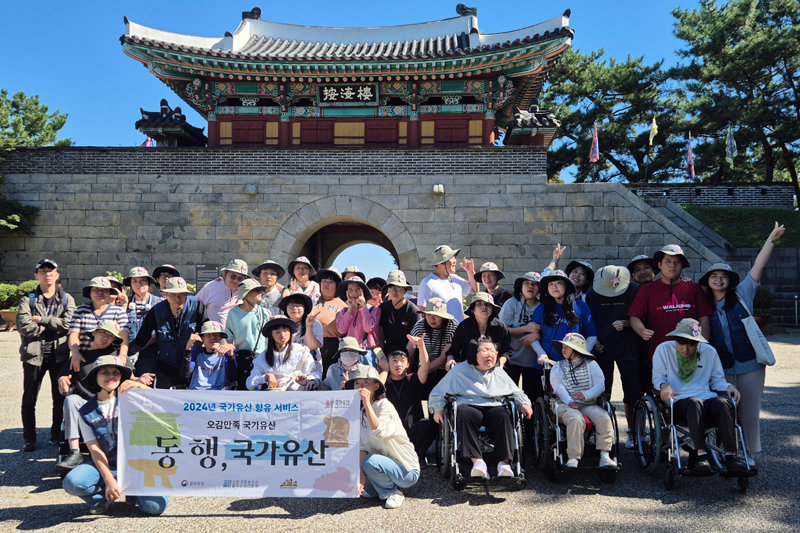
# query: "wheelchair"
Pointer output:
{"type": "Point", "coordinates": [453, 466]}
{"type": "Point", "coordinates": [659, 440]}
{"type": "Point", "coordinates": [550, 438]}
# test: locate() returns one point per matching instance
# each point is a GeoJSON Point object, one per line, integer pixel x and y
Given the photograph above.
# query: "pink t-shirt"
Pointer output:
{"type": "Point", "coordinates": [218, 300]}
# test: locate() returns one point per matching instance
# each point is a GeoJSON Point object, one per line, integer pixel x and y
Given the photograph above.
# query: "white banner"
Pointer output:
{"type": "Point", "coordinates": [238, 443]}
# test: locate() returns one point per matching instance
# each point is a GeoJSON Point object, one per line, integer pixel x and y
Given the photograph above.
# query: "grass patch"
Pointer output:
{"type": "Point", "coordinates": [749, 227]}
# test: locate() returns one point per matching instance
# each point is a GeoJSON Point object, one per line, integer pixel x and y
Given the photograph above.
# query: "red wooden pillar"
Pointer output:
{"type": "Point", "coordinates": [284, 134]}
{"type": "Point", "coordinates": [488, 131]}
{"type": "Point", "coordinates": [213, 133]}
{"type": "Point", "coordinates": [413, 131]}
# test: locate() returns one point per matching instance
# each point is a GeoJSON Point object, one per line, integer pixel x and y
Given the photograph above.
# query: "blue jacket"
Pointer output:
{"type": "Point", "coordinates": [105, 435]}
{"type": "Point", "coordinates": [740, 342]}
{"type": "Point", "coordinates": [172, 341]}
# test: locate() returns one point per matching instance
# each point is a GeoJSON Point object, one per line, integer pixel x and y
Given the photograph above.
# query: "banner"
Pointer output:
{"type": "Point", "coordinates": [239, 443]}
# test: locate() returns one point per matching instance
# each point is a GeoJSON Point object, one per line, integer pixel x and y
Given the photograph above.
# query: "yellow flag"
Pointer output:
{"type": "Point", "coordinates": [653, 131]}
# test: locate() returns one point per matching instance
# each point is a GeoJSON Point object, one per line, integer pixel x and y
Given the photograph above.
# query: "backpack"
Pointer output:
{"type": "Point", "coordinates": [32, 296]}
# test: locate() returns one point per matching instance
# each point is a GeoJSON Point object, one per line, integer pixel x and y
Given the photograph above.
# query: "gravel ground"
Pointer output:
{"type": "Point", "coordinates": [32, 497]}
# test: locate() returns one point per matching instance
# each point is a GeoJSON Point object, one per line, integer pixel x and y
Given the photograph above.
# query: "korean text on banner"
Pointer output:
{"type": "Point", "coordinates": [239, 444]}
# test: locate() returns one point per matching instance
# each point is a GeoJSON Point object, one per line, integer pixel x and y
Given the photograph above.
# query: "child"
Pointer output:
{"type": "Point", "coordinates": [388, 460]}
{"type": "Point", "coordinates": [243, 327]}
{"type": "Point", "coordinates": [106, 339]}
{"type": "Point", "coordinates": [349, 360]}
{"type": "Point", "coordinates": [96, 483]}
{"type": "Point", "coordinates": [407, 391]}
{"type": "Point", "coordinates": [578, 381]}
{"type": "Point", "coordinates": [581, 274]}
{"type": "Point", "coordinates": [208, 369]}
{"type": "Point", "coordinates": [357, 320]}
{"type": "Point", "coordinates": [284, 365]}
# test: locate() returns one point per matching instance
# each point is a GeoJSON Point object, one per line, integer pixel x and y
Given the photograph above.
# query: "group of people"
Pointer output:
{"type": "Point", "coordinates": [334, 330]}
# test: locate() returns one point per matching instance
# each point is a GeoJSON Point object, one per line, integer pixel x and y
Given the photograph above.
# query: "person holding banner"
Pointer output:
{"type": "Point", "coordinates": [388, 459]}
{"type": "Point", "coordinates": [284, 365]}
{"type": "Point", "coordinates": [96, 482]}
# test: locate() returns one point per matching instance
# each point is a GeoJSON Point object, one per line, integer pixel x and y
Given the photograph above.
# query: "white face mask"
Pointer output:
{"type": "Point", "coordinates": [348, 359]}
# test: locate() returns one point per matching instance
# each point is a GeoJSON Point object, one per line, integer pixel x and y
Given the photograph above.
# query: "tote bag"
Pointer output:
{"type": "Point", "coordinates": [764, 353]}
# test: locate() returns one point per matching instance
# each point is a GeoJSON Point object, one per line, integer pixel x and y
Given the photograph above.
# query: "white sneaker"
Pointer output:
{"type": "Point", "coordinates": [504, 470]}
{"type": "Point", "coordinates": [572, 463]}
{"type": "Point", "coordinates": [394, 500]}
{"type": "Point", "coordinates": [479, 469]}
{"type": "Point", "coordinates": [629, 443]}
{"type": "Point", "coordinates": [606, 461]}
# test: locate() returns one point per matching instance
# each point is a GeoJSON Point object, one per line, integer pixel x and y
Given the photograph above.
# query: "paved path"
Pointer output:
{"type": "Point", "coordinates": [31, 497]}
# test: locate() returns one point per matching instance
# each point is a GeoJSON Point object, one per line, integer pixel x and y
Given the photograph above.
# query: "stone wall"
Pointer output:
{"type": "Point", "coordinates": [111, 208]}
{"type": "Point", "coordinates": [780, 195]}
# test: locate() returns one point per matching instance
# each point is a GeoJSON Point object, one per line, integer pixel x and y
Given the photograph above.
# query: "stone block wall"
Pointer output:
{"type": "Point", "coordinates": [113, 208]}
{"type": "Point", "coordinates": [780, 195]}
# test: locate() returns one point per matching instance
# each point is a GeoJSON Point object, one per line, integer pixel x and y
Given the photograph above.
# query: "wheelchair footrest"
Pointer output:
{"type": "Point", "coordinates": [694, 473]}
{"type": "Point", "coordinates": [748, 473]}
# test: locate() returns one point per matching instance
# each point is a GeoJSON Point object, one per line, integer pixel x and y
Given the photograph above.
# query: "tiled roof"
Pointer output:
{"type": "Point", "coordinates": [265, 40]}
{"type": "Point", "coordinates": [169, 119]}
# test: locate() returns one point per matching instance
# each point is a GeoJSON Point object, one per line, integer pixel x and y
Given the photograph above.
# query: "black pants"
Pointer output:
{"type": "Point", "coordinates": [32, 377]}
{"type": "Point", "coordinates": [499, 426]}
{"type": "Point", "coordinates": [421, 434]}
{"type": "Point", "coordinates": [531, 380]}
{"type": "Point", "coordinates": [630, 373]}
{"type": "Point", "coordinates": [699, 415]}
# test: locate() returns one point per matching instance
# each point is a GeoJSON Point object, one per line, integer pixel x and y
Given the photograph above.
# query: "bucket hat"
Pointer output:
{"type": "Point", "coordinates": [722, 267]}
{"type": "Point", "coordinates": [176, 285]}
{"type": "Point", "coordinates": [397, 278]}
{"type": "Point", "coordinates": [212, 326]}
{"type": "Point", "coordinates": [109, 326]}
{"type": "Point", "coordinates": [138, 272]}
{"type": "Point", "coordinates": [355, 271]}
{"type": "Point", "coordinates": [554, 275]}
{"type": "Point", "coordinates": [365, 372]}
{"type": "Point", "coordinates": [167, 268]}
{"type": "Point", "coordinates": [341, 289]}
{"type": "Point", "coordinates": [437, 307]}
{"type": "Point", "coordinates": [279, 321]}
{"type": "Point", "coordinates": [612, 280]}
{"type": "Point", "coordinates": [272, 265]}
{"type": "Point", "coordinates": [304, 260]}
{"type": "Point", "coordinates": [688, 328]}
{"type": "Point", "coordinates": [572, 265]}
{"type": "Point", "coordinates": [577, 342]}
{"type": "Point", "coordinates": [328, 273]}
{"type": "Point", "coordinates": [443, 253]}
{"type": "Point", "coordinates": [238, 266]}
{"type": "Point", "coordinates": [295, 296]}
{"type": "Point", "coordinates": [646, 258]}
{"type": "Point", "coordinates": [89, 380]}
{"type": "Point", "coordinates": [99, 282]}
{"type": "Point", "coordinates": [527, 276]}
{"type": "Point", "coordinates": [247, 285]}
{"type": "Point", "coordinates": [489, 267]}
{"type": "Point", "coordinates": [671, 249]}
{"type": "Point", "coordinates": [481, 297]}
{"type": "Point", "coordinates": [350, 343]}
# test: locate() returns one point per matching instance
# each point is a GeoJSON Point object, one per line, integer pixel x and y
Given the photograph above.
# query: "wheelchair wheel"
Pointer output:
{"type": "Point", "coordinates": [647, 434]}
{"type": "Point", "coordinates": [612, 413]}
{"type": "Point", "coordinates": [541, 435]}
{"type": "Point", "coordinates": [669, 477]}
{"type": "Point", "coordinates": [446, 451]}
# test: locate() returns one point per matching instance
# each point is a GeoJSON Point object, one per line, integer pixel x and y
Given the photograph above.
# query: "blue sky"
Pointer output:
{"type": "Point", "coordinates": [70, 55]}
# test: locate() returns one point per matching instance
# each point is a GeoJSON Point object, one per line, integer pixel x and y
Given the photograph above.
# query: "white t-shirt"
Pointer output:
{"type": "Point", "coordinates": [110, 410]}
{"type": "Point", "coordinates": [450, 289]}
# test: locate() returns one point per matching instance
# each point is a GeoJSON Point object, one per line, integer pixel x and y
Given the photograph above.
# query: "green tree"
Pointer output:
{"type": "Point", "coordinates": [743, 61]}
{"type": "Point", "coordinates": [24, 121]}
{"type": "Point", "coordinates": [621, 98]}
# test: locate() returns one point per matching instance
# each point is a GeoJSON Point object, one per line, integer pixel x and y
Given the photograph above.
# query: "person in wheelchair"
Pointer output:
{"type": "Point", "coordinates": [479, 385]}
{"type": "Point", "coordinates": [578, 382]}
{"type": "Point", "coordinates": [687, 373]}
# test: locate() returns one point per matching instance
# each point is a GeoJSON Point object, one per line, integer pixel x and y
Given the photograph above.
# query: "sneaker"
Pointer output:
{"type": "Point", "coordinates": [572, 463]}
{"type": "Point", "coordinates": [702, 465]}
{"type": "Point", "coordinates": [101, 508]}
{"type": "Point", "coordinates": [394, 500]}
{"type": "Point", "coordinates": [629, 443]}
{"type": "Point", "coordinates": [479, 469]}
{"type": "Point", "coordinates": [751, 462]}
{"type": "Point", "coordinates": [29, 446]}
{"type": "Point", "coordinates": [734, 465]}
{"type": "Point", "coordinates": [504, 469]}
{"type": "Point", "coordinates": [606, 461]}
{"type": "Point", "coordinates": [75, 458]}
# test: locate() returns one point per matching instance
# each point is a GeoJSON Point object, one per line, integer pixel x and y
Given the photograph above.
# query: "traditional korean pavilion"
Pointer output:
{"type": "Point", "coordinates": [439, 83]}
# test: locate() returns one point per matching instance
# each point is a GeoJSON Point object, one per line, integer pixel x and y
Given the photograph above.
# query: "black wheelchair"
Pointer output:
{"type": "Point", "coordinates": [659, 440]}
{"type": "Point", "coordinates": [453, 466]}
{"type": "Point", "coordinates": [550, 438]}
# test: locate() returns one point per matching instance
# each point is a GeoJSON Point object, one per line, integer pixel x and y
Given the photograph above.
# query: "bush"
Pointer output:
{"type": "Point", "coordinates": [748, 227]}
{"type": "Point", "coordinates": [10, 295]}
{"type": "Point", "coordinates": [762, 302]}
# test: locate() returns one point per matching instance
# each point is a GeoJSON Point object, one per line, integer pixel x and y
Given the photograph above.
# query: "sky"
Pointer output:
{"type": "Point", "coordinates": [69, 53]}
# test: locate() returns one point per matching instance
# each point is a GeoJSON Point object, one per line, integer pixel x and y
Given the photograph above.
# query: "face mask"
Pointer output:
{"type": "Point", "coordinates": [348, 359]}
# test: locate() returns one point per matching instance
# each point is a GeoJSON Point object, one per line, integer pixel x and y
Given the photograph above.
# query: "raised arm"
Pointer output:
{"type": "Point", "coordinates": [766, 251]}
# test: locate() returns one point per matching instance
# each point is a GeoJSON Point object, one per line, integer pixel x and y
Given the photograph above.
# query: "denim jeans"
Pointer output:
{"type": "Point", "coordinates": [384, 475]}
{"type": "Point", "coordinates": [85, 482]}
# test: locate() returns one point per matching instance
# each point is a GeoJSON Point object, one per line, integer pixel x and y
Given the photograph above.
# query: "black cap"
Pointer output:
{"type": "Point", "coordinates": [45, 262]}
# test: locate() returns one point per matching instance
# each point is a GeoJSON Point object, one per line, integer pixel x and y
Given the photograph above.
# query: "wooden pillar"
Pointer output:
{"type": "Point", "coordinates": [413, 132]}
{"type": "Point", "coordinates": [213, 133]}
{"type": "Point", "coordinates": [284, 134]}
{"type": "Point", "coordinates": [488, 131]}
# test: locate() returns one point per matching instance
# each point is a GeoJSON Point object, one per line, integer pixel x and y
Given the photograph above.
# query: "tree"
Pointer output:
{"type": "Point", "coordinates": [621, 98]}
{"type": "Point", "coordinates": [25, 122]}
{"type": "Point", "coordinates": [743, 65]}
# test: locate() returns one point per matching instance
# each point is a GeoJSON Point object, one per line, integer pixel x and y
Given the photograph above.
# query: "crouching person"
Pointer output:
{"type": "Point", "coordinates": [96, 482]}
{"type": "Point", "coordinates": [388, 459]}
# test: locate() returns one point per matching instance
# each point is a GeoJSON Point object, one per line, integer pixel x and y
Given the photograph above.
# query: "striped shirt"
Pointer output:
{"type": "Point", "coordinates": [85, 320]}
{"type": "Point", "coordinates": [576, 377]}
